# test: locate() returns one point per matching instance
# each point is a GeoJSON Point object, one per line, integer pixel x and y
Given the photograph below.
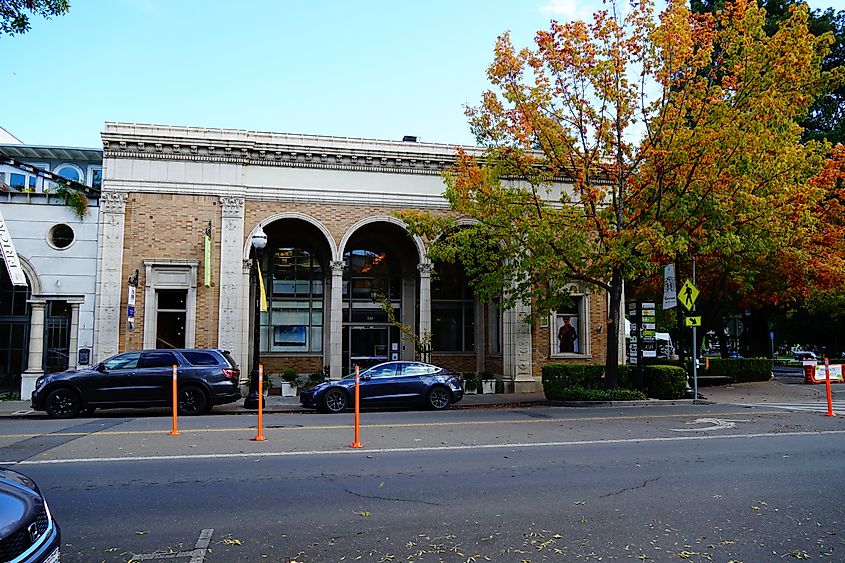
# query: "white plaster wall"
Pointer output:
{"type": "Point", "coordinates": [68, 272]}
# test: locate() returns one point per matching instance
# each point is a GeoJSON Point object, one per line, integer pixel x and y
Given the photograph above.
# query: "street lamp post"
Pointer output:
{"type": "Point", "coordinates": [259, 241]}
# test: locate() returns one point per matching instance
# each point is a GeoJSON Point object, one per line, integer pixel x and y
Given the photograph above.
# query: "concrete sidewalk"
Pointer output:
{"type": "Point", "coordinates": [786, 390]}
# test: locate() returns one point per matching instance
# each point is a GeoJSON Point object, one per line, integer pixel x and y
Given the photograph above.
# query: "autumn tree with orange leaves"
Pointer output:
{"type": "Point", "coordinates": [617, 145]}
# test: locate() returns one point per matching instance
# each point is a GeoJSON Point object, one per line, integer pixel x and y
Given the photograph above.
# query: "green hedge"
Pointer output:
{"type": "Point", "coordinates": [573, 375]}
{"type": "Point", "coordinates": [665, 381]}
{"type": "Point", "coordinates": [740, 370]}
{"type": "Point", "coordinates": [568, 382]}
{"type": "Point", "coordinates": [578, 393]}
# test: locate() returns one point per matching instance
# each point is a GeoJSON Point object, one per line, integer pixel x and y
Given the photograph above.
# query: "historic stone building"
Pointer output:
{"type": "Point", "coordinates": [334, 247]}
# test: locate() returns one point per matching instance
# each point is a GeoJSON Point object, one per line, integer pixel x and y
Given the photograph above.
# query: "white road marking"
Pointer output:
{"type": "Point", "coordinates": [197, 554]}
{"type": "Point", "coordinates": [365, 451]}
{"type": "Point", "coordinates": [808, 406]}
{"type": "Point", "coordinates": [716, 424]}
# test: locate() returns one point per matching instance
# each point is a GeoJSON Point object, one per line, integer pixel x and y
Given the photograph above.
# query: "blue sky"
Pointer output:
{"type": "Point", "coordinates": [370, 68]}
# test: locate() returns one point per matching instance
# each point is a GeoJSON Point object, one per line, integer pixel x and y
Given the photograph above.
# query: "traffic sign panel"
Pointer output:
{"type": "Point", "coordinates": [688, 294]}
{"type": "Point", "coordinates": [693, 321]}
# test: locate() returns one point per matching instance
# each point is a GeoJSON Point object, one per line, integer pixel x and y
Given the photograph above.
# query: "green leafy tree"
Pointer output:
{"type": "Point", "coordinates": [826, 117]}
{"type": "Point", "coordinates": [618, 145]}
{"type": "Point", "coordinates": [15, 14]}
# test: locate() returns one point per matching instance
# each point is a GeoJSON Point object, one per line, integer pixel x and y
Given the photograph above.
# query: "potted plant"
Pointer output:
{"type": "Point", "coordinates": [318, 376]}
{"type": "Point", "coordinates": [290, 383]}
{"type": "Point", "coordinates": [471, 383]}
{"type": "Point", "coordinates": [488, 383]}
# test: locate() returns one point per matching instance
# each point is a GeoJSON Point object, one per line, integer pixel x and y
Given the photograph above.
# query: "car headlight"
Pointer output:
{"type": "Point", "coordinates": [40, 381]}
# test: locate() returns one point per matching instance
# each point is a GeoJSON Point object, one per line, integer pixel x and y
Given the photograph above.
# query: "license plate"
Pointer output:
{"type": "Point", "coordinates": [53, 557]}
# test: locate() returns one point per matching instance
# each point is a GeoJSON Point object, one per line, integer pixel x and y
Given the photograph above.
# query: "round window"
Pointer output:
{"type": "Point", "coordinates": [60, 236]}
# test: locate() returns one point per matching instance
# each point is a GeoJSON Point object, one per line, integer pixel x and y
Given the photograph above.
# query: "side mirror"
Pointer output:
{"type": "Point", "coordinates": [101, 367]}
{"type": "Point", "coordinates": [365, 377]}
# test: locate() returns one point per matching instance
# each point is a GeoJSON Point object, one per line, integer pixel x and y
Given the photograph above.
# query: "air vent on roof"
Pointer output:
{"type": "Point", "coordinates": [409, 139]}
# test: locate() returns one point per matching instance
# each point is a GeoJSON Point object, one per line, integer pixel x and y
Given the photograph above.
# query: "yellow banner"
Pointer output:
{"type": "Point", "coordinates": [261, 288]}
{"type": "Point", "coordinates": [207, 266]}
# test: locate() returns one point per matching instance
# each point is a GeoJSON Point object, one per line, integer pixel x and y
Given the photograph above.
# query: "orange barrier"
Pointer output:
{"type": "Point", "coordinates": [175, 431]}
{"type": "Point", "coordinates": [816, 373]}
{"type": "Point", "coordinates": [357, 443]}
{"type": "Point", "coordinates": [260, 436]}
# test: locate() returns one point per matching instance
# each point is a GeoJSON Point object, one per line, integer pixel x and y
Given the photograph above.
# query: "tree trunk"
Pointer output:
{"type": "Point", "coordinates": [614, 322]}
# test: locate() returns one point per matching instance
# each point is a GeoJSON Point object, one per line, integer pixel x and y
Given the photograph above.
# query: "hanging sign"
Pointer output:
{"type": "Point", "coordinates": [10, 256]}
{"type": "Point", "coordinates": [670, 298]}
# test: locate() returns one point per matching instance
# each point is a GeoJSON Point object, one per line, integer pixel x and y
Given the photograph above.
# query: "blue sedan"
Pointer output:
{"type": "Point", "coordinates": [386, 385]}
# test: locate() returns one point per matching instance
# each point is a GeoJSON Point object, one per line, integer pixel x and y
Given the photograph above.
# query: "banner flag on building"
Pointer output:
{"type": "Point", "coordinates": [261, 289]}
{"type": "Point", "coordinates": [670, 295]}
{"type": "Point", "coordinates": [207, 266]}
{"type": "Point", "coordinates": [10, 256]}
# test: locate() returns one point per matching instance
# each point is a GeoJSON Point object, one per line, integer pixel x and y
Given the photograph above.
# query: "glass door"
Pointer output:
{"type": "Point", "coordinates": [368, 345]}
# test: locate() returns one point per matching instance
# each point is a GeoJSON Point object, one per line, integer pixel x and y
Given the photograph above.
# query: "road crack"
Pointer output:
{"type": "Point", "coordinates": [377, 497]}
{"type": "Point", "coordinates": [619, 492]}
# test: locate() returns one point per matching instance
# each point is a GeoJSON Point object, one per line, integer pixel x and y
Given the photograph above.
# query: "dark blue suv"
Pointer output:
{"type": "Point", "coordinates": [141, 379]}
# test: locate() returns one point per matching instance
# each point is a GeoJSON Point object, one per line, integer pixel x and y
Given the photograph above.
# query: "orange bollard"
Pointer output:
{"type": "Point", "coordinates": [175, 431]}
{"type": "Point", "coordinates": [707, 363]}
{"type": "Point", "coordinates": [827, 384]}
{"type": "Point", "coordinates": [357, 443]}
{"type": "Point", "coordinates": [260, 436]}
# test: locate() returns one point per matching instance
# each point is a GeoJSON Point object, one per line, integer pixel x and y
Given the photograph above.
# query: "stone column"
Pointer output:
{"type": "Point", "coordinates": [336, 320]}
{"type": "Point", "coordinates": [230, 320]}
{"type": "Point", "coordinates": [425, 303]}
{"type": "Point", "coordinates": [35, 361]}
{"type": "Point", "coordinates": [516, 355]}
{"type": "Point", "coordinates": [73, 347]}
{"type": "Point", "coordinates": [109, 274]}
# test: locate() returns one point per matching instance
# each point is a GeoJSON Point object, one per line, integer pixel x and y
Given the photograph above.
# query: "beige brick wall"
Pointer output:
{"type": "Point", "coordinates": [305, 364]}
{"type": "Point", "coordinates": [171, 227]}
{"type": "Point", "coordinates": [455, 362]}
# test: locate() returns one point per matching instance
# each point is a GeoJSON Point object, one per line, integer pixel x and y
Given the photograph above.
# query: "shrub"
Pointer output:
{"type": "Point", "coordinates": [665, 381]}
{"type": "Point", "coordinates": [588, 376]}
{"type": "Point", "coordinates": [578, 393]}
{"type": "Point", "coordinates": [740, 369]}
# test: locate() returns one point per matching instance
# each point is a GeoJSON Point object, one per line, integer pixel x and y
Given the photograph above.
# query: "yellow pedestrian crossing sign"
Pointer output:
{"type": "Point", "coordinates": [687, 295]}
{"type": "Point", "coordinates": [693, 321]}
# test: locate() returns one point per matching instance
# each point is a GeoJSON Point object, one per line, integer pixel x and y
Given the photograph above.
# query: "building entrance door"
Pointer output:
{"type": "Point", "coordinates": [368, 345]}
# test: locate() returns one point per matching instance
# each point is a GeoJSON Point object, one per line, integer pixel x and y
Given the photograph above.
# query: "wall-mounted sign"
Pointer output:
{"type": "Point", "coordinates": [10, 256]}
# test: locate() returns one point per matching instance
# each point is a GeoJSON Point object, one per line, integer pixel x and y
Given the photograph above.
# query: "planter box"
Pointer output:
{"type": "Point", "coordinates": [288, 390]}
{"type": "Point", "coordinates": [488, 386]}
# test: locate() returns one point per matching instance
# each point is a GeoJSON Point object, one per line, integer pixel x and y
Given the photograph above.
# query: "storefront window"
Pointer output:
{"type": "Point", "coordinates": [569, 327]}
{"type": "Point", "coordinates": [452, 310]}
{"type": "Point", "coordinates": [295, 319]}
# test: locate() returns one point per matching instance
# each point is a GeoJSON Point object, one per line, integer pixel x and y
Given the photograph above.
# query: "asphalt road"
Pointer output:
{"type": "Point", "coordinates": [693, 483]}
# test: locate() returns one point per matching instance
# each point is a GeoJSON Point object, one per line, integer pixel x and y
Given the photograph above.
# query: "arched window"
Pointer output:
{"type": "Point", "coordinates": [296, 293]}
{"type": "Point", "coordinates": [452, 310]}
{"type": "Point", "coordinates": [70, 171]}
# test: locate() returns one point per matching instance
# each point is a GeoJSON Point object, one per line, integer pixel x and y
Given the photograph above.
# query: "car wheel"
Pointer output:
{"type": "Point", "coordinates": [63, 403]}
{"type": "Point", "coordinates": [438, 398]}
{"type": "Point", "coordinates": [335, 400]}
{"type": "Point", "coordinates": [192, 400]}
